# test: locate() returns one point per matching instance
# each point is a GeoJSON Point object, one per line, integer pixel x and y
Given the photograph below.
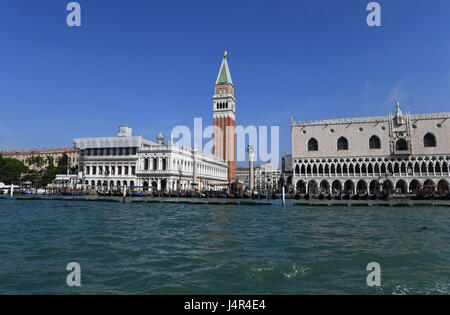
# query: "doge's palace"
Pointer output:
{"type": "Point", "coordinates": [400, 152]}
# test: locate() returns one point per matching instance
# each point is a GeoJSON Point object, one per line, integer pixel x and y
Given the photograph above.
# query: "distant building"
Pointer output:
{"type": "Point", "coordinates": [56, 154]}
{"type": "Point", "coordinates": [267, 178]}
{"type": "Point", "coordinates": [395, 152]}
{"type": "Point", "coordinates": [243, 175]}
{"type": "Point", "coordinates": [64, 181]}
{"type": "Point", "coordinates": [132, 161]}
{"type": "Point", "coordinates": [286, 170]}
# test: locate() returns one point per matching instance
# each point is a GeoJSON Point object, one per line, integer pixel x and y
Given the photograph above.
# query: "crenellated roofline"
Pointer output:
{"type": "Point", "coordinates": [445, 115]}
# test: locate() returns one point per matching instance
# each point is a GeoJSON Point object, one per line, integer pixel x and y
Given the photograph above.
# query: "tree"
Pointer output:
{"type": "Point", "coordinates": [11, 170]}
{"type": "Point", "coordinates": [50, 174]}
{"type": "Point", "coordinates": [36, 161]}
{"type": "Point", "coordinates": [31, 176]}
{"type": "Point", "coordinates": [51, 171]}
{"type": "Point", "coordinates": [50, 161]}
{"type": "Point", "coordinates": [64, 161]}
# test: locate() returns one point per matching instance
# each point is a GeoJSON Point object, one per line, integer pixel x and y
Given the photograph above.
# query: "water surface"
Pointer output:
{"type": "Point", "coordinates": [218, 249]}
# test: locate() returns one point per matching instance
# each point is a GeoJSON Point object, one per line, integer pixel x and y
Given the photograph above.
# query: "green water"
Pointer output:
{"type": "Point", "coordinates": [217, 249]}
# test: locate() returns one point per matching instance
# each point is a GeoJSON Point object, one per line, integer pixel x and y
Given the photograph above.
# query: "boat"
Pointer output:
{"type": "Point", "coordinates": [263, 196]}
{"type": "Point", "coordinates": [71, 193]}
{"type": "Point", "coordinates": [175, 195]}
{"type": "Point", "coordinates": [103, 193]}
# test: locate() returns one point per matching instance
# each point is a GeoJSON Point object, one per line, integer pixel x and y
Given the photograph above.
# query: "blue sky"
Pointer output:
{"type": "Point", "coordinates": [153, 64]}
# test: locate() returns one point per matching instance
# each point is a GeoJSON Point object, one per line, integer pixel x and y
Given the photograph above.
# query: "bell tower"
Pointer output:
{"type": "Point", "coordinates": [224, 117]}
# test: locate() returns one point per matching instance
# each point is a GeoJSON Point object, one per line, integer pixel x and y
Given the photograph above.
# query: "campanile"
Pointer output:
{"type": "Point", "coordinates": [224, 117]}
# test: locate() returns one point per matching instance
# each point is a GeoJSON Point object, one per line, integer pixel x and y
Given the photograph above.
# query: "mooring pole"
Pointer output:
{"type": "Point", "coordinates": [251, 152]}
{"type": "Point", "coordinates": [12, 190]}
{"type": "Point", "coordinates": [124, 194]}
{"type": "Point", "coordinates": [283, 196]}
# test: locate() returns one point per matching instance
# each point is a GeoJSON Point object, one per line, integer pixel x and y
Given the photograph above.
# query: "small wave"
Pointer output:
{"type": "Point", "coordinates": [297, 271]}
{"type": "Point", "coordinates": [267, 271]}
{"type": "Point", "coordinates": [402, 289]}
{"type": "Point", "coordinates": [436, 288]}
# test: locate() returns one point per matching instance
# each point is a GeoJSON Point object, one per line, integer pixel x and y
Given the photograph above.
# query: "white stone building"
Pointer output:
{"type": "Point", "coordinates": [132, 161]}
{"type": "Point", "coordinates": [406, 153]}
{"type": "Point", "coordinates": [243, 175]}
{"type": "Point", "coordinates": [267, 177]}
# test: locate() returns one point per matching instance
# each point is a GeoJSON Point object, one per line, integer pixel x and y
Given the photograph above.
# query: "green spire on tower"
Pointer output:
{"type": "Point", "coordinates": [224, 76]}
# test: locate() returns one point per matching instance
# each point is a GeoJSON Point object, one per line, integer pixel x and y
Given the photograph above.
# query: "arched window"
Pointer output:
{"type": "Point", "coordinates": [401, 145]}
{"type": "Point", "coordinates": [429, 141]}
{"type": "Point", "coordinates": [374, 143]}
{"type": "Point", "coordinates": [313, 145]}
{"type": "Point", "coordinates": [342, 144]}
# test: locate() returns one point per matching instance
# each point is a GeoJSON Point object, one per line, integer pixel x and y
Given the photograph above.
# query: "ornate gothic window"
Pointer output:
{"type": "Point", "coordinates": [342, 144]}
{"type": "Point", "coordinates": [401, 145]}
{"type": "Point", "coordinates": [429, 141]}
{"type": "Point", "coordinates": [374, 143]}
{"type": "Point", "coordinates": [313, 145]}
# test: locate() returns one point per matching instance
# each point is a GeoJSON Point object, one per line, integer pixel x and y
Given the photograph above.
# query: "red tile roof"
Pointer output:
{"type": "Point", "coordinates": [41, 151]}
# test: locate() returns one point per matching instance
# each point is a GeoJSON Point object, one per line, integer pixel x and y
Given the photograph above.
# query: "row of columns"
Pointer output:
{"type": "Point", "coordinates": [111, 170]}
{"type": "Point", "coordinates": [367, 184]}
{"type": "Point", "coordinates": [441, 170]}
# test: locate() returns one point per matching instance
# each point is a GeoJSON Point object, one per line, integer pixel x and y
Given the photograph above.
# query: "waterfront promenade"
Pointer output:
{"type": "Point", "coordinates": [393, 202]}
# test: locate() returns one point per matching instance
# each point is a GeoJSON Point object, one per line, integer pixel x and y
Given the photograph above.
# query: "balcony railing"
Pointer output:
{"type": "Point", "coordinates": [402, 152]}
